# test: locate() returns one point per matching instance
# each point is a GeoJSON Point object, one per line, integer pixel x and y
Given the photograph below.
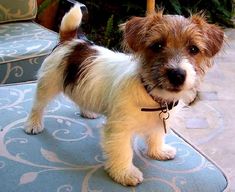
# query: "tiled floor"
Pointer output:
{"type": "Point", "coordinates": [210, 122]}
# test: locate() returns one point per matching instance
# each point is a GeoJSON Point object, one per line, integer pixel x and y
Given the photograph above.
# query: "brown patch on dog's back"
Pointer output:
{"type": "Point", "coordinates": [75, 63]}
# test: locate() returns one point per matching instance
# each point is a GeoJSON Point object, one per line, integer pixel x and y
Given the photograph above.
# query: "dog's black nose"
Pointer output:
{"type": "Point", "coordinates": [176, 76]}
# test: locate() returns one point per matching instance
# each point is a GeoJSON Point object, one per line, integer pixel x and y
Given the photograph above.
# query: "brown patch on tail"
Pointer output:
{"type": "Point", "coordinates": [70, 23]}
{"type": "Point", "coordinates": [67, 35]}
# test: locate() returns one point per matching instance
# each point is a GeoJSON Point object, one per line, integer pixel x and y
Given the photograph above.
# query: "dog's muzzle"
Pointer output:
{"type": "Point", "coordinates": [176, 76]}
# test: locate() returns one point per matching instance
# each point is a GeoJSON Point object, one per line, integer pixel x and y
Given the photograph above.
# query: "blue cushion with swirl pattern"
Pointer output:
{"type": "Point", "coordinates": [67, 157]}
{"type": "Point", "coordinates": [17, 10]}
{"type": "Point", "coordinates": [23, 47]}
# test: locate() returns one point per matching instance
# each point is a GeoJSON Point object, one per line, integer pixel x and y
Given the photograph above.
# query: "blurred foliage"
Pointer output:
{"type": "Point", "coordinates": [106, 15]}
{"type": "Point", "coordinates": [217, 11]}
{"type": "Point", "coordinates": [45, 4]}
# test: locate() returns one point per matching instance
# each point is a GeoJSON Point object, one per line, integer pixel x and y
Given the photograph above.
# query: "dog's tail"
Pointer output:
{"type": "Point", "coordinates": [70, 23]}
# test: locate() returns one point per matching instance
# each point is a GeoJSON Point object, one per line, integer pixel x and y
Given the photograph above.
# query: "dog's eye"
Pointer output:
{"type": "Point", "coordinates": [193, 50]}
{"type": "Point", "coordinates": [157, 47]}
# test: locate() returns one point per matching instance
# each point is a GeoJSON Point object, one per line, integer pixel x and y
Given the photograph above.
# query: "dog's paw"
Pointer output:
{"type": "Point", "coordinates": [89, 115]}
{"type": "Point", "coordinates": [126, 177]}
{"type": "Point", "coordinates": [165, 153]}
{"type": "Point", "coordinates": [33, 128]}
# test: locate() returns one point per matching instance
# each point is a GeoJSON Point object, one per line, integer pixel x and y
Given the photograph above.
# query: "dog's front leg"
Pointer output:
{"type": "Point", "coordinates": [157, 149]}
{"type": "Point", "coordinates": [117, 145]}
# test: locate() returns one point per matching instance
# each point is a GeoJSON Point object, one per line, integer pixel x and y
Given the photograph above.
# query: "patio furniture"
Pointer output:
{"type": "Point", "coordinates": [67, 156]}
{"type": "Point", "coordinates": [24, 44]}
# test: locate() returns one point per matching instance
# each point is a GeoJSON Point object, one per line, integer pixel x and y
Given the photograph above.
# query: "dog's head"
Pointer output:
{"type": "Point", "coordinates": [173, 50]}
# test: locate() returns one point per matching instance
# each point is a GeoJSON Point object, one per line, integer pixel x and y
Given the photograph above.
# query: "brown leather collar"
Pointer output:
{"type": "Point", "coordinates": [163, 107]}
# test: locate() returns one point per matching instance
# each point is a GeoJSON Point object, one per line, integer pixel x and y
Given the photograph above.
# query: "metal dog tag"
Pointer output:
{"type": "Point", "coordinates": [164, 115]}
{"type": "Point", "coordinates": [164, 124]}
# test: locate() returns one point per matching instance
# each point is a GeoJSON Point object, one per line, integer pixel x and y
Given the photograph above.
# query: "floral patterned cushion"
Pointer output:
{"type": "Point", "coordinates": [23, 47]}
{"type": "Point", "coordinates": [17, 10]}
{"type": "Point", "coordinates": [67, 157]}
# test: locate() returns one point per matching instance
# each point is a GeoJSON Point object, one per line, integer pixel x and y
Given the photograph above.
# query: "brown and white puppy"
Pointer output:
{"type": "Point", "coordinates": [168, 54]}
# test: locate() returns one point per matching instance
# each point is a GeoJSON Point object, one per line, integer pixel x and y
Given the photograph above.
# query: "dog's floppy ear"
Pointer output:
{"type": "Point", "coordinates": [134, 33]}
{"type": "Point", "coordinates": [213, 34]}
{"type": "Point", "coordinates": [137, 28]}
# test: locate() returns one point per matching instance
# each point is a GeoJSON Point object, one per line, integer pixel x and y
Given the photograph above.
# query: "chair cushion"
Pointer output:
{"type": "Point", "coordinates": [23, 47]}
{"type": "Point", "coordinates": [17, 10]}
{"type": "Point", "coordinates": [67, 155]}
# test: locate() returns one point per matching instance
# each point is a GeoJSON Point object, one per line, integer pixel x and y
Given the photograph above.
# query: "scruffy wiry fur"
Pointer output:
{"type": "Point", "coordinates": [167, 56]}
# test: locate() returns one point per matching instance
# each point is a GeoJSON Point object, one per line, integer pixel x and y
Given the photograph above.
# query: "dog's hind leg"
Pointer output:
{"type": "Point", "coordinates": [46, 90]}
{"type": "Point", "coordinates": [88, 114]}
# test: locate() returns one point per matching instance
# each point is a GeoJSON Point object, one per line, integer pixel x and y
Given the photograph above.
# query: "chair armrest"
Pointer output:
{"type": "Point", "coordinates": [12, 10]}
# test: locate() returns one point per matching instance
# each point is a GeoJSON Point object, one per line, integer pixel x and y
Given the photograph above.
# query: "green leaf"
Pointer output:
{"type": "Point", "coordinates": [177, 6]}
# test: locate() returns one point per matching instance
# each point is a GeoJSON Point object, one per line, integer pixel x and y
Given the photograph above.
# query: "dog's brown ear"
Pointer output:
{"type": "Point", "coordinates": [134, 33]}
{"type": "Point", "coordinates": [215, 39]}
{"type": "Point", "coordinates": [214, 35]}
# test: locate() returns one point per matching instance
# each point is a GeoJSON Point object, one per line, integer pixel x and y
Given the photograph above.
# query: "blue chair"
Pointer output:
{"type": "Point", "coordinates": [23, 43]}
{"type": "Point", "coordinates": [67, 156]}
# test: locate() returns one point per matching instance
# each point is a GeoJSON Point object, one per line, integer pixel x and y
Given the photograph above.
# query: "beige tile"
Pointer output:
{"type": "Point", "coordinates": [215, 112]}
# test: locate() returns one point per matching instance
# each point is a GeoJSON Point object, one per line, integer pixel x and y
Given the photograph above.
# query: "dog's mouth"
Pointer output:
{"type": "Point", "coordinates": [163, 85]}
{"type": "Point", "coordinates": [168, 86]}
{"type": "Point", "coordinates": [172, 80]}
{"type": "Point", "coordinates": [174, 89]}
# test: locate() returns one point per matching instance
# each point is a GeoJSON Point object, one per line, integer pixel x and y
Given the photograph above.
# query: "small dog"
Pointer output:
{"type": "Point", "coordinates": [136, 91]}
